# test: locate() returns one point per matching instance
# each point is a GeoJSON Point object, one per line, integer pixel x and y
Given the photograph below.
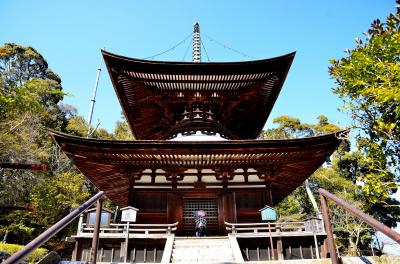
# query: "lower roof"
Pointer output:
{"type": "Point", "coordinates": [120, 167]}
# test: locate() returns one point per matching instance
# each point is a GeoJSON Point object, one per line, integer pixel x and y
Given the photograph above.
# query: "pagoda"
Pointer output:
{"type": "Point", "coordinates": [196, 126]}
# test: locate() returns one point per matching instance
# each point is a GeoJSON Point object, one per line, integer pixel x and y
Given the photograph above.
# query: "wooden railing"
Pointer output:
{"type": "Point", "coordinates": [46, 235]}
{"type": "Point", "coordinates": [324, 195]}
{"type": "Point", "coordinates": [118, 230]}
{"type": "Point", "coordinates": [311, 227]}
{"type": "Point", "coordinates": [276, 227]}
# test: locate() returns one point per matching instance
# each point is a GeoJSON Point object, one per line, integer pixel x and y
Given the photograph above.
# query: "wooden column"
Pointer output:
{"type": "Point", "coordinates": [122, 252]}
{"type": "Point", "coordinates": [328, 230]}
{"type": "Point", "coordinates": [317, 255]}
{"type": "Point", "coordinates": [175, 209]}
{"type": "Point", "coordinates": [126, 248]}
{"type": "Point", "coordinates": [74, 256]}
{"type": "Point", "coordinates": [269, 194]}
{"type": "Point", "coordinates": [271, 241]}
{"type": "Point", "coordinates": [227, 210]}
{"type": "Point", "coordinates": [96, 232]}
{"type": "Point", "coordinates": [324, 251]}
{"type": "Point", "coordinates": [279, 248]}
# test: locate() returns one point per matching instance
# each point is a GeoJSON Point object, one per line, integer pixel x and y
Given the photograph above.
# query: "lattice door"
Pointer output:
{"type": "Point", "coordinates": [208, 205]}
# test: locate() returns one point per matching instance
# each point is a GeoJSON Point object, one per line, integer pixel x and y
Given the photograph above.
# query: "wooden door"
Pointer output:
{"type": "Point", "coordinates": [209, 206]}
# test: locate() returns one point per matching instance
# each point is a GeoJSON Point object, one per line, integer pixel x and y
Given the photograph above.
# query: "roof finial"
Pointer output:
{"type": "Point", "coordinates": [196, 55]}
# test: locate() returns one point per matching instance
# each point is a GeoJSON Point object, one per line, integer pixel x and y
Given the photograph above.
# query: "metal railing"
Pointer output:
{"type": "Point", "coordinates": [46, 235]}
{"type": "Point", "coordinates": [324, 195]}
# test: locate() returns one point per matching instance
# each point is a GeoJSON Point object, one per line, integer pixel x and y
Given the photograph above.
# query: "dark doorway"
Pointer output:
{"type": "Point", "coordinates": [209, 206]}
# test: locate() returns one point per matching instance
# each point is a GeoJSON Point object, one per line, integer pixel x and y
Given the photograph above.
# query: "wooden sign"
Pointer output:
{"type": "Point", "coordinates": [129, 214]}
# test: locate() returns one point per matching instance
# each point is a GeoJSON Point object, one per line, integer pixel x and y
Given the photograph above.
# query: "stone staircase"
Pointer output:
{"type": "Point", "coordinates": [202, 250]}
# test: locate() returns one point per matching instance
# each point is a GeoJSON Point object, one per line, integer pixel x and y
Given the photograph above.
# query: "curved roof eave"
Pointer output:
{"type": "Point", "coordinates": [61, 137]}
{"type": "Point", "coordinates": [108, 55]}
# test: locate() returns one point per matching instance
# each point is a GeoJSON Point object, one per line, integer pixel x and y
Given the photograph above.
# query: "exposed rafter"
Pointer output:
{"type": "Point", "coordinates": [233, 99]}
{"type": "Point", "coordinates": [113, 166]}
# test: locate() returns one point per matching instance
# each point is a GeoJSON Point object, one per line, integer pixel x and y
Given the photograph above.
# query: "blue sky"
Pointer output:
{"type": "Point", "coordinates": [71, 33]}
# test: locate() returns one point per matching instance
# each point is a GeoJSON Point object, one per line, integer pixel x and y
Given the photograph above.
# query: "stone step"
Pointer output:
{"type": "Point", "coordinates": [202, 259]}
{"type": "Point", "coordinates": [190, 254]}
{"type": "Point", "coordinates": [216, 240]}
{"type": "Point", "coordinates": [202, 242]}
{"type": "Point", "coordinates": [225, 261]}
{"type": "Point", "coordinates": [202, 250]}
{"type": "Point", "coordinates": [201, 245]}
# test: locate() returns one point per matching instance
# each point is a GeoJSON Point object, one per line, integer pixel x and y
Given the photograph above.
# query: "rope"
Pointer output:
{"type": "Point", "coordinates": [186, 52]}
{"type": "Point", "coordinates": [227, 47]}
{"type": "Point", "coordinates": [204, 47]}
{"type": "Point", "coordinates": [168, 50]}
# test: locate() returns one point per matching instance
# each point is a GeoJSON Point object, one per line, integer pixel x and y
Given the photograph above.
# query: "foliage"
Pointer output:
{"type": "Point", "coordinates": [30, 104]}
{"type": "Point", "coordinates": [292, 127]}
{"type": "Point", "coordinates": [55, 193]}
{"type": "Point", "coordinates": [368, 82]}
{"type": "Point", "coordinates": [33, 257]}
{"type": "Point", "coordinates": [297, 205]}
{"type": "Point", "coordinates": [292, 207]}
{"type": "Point", "coordinates": [122, 131]}
{"type": "Point", "coordinates": [30, 94]}
{"type": "Point", "coordinates": [351, 233]}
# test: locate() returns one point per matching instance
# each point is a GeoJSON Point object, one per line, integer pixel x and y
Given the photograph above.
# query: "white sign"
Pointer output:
{"type": "Point", "coordinates": [129, 214]}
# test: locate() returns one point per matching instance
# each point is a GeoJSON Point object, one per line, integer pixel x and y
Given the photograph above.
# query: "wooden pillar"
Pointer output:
{"type": "Point", "coordinates": [258, 253]}
{"type": "Point", "coordinates": [122, 252]}
{"type": "Point", "coordinates": [324, 250]}
{"type": "Point", "coordinates": [271, 241]}
{"type": "Point", "coordinates": [126, 248]}
{"type": "Point", "coordinates": [301, 252]}
{"type": "Point", "coordinates": [279, 248]}
{"type": "Point", "coordinates": [131, 192]}
{"type": "Point", "coordinates": [317, 255]}
{"type": "Point", "coordinates": [155, 251]}
{"type": "Point", "coordinates": [96, 232]}
{"type": "Point", "coordinates": [74, 256]}
{"type": "Point", "coordinates": [175, 209]}
{"type": "Point", "coordinates": [226, 209]}
{"type": "Point", "coordinates": [101, 254]}
{"type": "Point", "coordinates": [311, 252]}
{"type": "Point", "coordinates": [328, 230]}
{"type": "Point", "coordinates": [133, 257]}
{"type": "Point", "coordinates": [269, 194]}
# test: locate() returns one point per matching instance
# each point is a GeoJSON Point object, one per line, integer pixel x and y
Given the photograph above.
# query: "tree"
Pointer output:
{"type": "Point", "coordinates": [291, 127]}
{"type": "Point", "coordinates": [368, 82]}
{"type": "Point", "coordinates": [30, 96]}
{"type": "Point", "coordinates": [19, 64]}
{"type": "Point", "coordinates": [122, 130]}
{"type": "Point", "coordinates": [30, 104]}
{"type": "Point", "coordinates": [351, 233]}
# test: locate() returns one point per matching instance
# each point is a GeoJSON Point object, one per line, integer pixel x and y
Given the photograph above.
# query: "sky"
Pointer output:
{"type": "Point", "coordinates": [70, 34]}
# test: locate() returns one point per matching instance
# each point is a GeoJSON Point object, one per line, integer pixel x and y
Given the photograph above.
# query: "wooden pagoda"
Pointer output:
{"type": "Point", "coordinates": [196, 127]}
{"type": "Point", "coordinates": [166, 172]}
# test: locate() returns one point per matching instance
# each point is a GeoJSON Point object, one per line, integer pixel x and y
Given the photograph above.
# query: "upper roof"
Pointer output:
{"type": "Point", "coordinates": [161, 99]}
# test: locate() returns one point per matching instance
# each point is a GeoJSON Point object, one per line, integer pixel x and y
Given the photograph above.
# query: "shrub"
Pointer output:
{"type": "Point", "coordinates": [33, 257]}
